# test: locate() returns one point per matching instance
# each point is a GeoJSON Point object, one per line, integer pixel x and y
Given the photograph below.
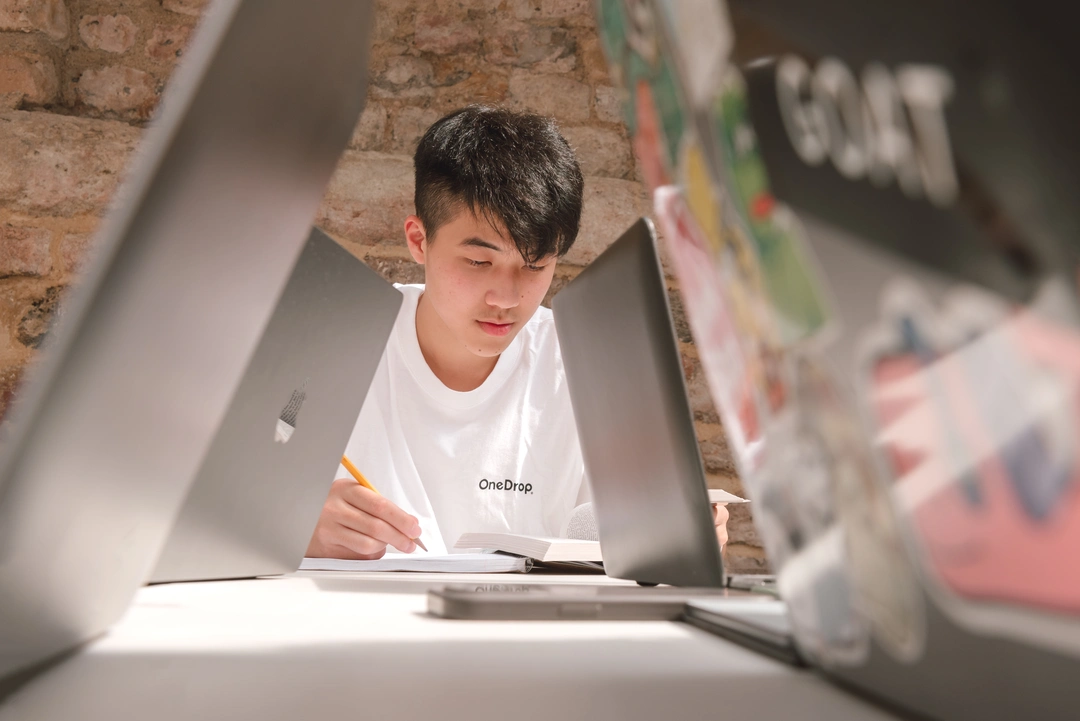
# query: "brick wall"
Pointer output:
{"type": "Point", "coordinates": [80, 78]}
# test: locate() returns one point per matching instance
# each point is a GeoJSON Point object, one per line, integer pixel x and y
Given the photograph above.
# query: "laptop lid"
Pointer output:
{"type": "Point", "coordinates": [135, 380]}
{"type": "Point", "coordinates": [259, 491]}
{"type": "Point", "coordinates": [911, 446]}
{"type": "Point", "coordinates": [626, 384]}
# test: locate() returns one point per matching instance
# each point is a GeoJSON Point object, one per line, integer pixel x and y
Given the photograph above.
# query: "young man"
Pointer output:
{"type": "Point", "coordinates": [471, 390]}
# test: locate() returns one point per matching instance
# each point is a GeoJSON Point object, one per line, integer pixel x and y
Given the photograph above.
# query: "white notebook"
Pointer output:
{"type": "Point", "coordinates": [425, 563]}
{"type": "Point", "coordinates": [548, 550]}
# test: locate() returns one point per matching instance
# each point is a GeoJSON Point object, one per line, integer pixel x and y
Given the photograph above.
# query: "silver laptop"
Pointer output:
{"type": "Point", "coordinates": [637, 432]}
{"type": "Point", "coordinates": [258, 494]}
{"type": "Point", "coordinates": [136, 379]}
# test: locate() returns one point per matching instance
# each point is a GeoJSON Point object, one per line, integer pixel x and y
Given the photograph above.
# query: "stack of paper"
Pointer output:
{"type": "Point", "coordinates": [425, 563]}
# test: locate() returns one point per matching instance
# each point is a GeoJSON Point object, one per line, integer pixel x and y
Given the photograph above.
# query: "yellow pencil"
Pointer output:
{"type": "Point", "coordinates": [367, 484]}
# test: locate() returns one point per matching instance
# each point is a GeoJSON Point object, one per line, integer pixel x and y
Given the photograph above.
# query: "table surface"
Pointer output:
{"type": "Point", "coordinates": [347, 645]}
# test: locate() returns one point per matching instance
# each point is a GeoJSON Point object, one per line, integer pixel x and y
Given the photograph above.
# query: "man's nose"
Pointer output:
{"type": "Point", "coordinates": [504, 294]}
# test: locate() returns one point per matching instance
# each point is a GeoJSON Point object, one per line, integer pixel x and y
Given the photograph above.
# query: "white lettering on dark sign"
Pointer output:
{"type": "Point", "coordinates": [882, 127]}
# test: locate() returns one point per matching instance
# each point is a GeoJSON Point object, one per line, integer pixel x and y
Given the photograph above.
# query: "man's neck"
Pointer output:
{"type": "Point", "coordinates": [454, 365]}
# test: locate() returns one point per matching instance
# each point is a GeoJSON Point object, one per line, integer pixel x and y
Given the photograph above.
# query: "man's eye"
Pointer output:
{"type": "Point", "coordinates": [477, 263]}
{"type": "Point", "coordinates": [535, 268]}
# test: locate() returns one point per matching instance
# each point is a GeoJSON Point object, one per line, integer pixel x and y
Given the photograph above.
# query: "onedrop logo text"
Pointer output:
{"type": "Point", "coordinates": [886, 125]}
{"type": "Point", "coordinates": [507, 485]}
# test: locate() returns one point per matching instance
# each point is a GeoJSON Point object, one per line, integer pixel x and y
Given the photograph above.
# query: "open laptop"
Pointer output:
{"type": "Point", "coordinates": [638, 441]}
{"type": "Point", "coordinates": [135, 380]}
{"type": "Point", "coordinates": [259, 491]}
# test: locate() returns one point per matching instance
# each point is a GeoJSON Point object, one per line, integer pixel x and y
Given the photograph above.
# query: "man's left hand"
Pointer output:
{"type": "Point", "coordinates": [720, 519]}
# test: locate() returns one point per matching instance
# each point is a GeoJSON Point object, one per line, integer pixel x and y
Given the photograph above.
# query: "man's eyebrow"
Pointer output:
{"type": "Point", "coordinates": [481, 243]}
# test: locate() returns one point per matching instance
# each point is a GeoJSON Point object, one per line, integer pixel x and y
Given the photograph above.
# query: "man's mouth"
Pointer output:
{"type": "Point", "coordinates": [495, 329]}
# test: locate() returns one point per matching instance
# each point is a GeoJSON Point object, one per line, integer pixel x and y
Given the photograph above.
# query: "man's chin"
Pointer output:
{"type": "Point", "coordinates": [488, 347]}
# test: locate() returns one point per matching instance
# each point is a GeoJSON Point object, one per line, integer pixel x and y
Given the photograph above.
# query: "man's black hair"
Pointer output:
{"type": "Point", "coordinates": [506, 167]}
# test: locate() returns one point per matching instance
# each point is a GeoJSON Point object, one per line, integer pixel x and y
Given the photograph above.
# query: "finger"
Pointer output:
{"type": "Point", "coordinates": [383, 508]}
{"type": "Point", "coordinates": [355, 544]}
{"type": "Point", "coordinates": [349, 555]}
{"type": "Point", "coordinates": [720, 514]}
{"type": "Point", "coordinates": [365, 523]}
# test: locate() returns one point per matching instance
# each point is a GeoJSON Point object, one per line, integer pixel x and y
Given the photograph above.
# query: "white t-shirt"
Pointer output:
{"type": "Point", "coordinates": [504, 457]}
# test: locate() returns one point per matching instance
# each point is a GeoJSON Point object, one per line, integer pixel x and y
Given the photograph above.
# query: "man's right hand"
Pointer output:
{"type": "Point", "coordinates": [359, 524]}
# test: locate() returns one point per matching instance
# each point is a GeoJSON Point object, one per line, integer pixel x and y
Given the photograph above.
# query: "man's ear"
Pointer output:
{"type": "Point", "coordinates": [416, 238]}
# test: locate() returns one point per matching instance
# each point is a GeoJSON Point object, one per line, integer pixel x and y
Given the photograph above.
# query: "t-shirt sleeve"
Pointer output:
{"type": "Point", "coordinates": [584, 492]}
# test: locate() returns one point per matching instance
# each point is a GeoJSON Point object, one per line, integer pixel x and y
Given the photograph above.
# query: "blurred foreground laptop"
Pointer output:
{"type": "Point", "coordinates": [933, 412]}
{"type": "Point", "coordinates": [258, 494]}
{"type": "Point", "coordinates": [136, 379]}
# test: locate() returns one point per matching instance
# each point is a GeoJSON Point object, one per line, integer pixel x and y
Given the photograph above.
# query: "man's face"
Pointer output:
{"type": "Point", "coordinates": [477, 282]}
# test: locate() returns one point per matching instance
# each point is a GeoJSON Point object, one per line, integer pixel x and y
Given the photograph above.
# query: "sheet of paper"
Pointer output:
{"type": "Point", "coordinates": [717, 495]}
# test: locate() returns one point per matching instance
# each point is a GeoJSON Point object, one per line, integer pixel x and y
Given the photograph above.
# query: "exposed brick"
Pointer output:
{"type": "Point", "coordinates": [29, 76]}
{"type": "Point", "coordinates": [186, 7]}
{"type": "Point", "coordinates": [369, 130]}
{"type": "Point", "coordinates": [577, 11]}
{"type": "Point", "coordinates": [715, 452]}
{"type": "Point", "coordinates": [723, 481]}
{"type": "Point", "coordinates": [563, 275]}
{"type": "Point", "coordinates": [609, 107]}
{"type": "Point", "coordinates": [74, 250]}
{"type": "Point", "coordinates": [111, 33]}
{"type": "Point", "coordinates": [168, 42]}
{"type": "Point", "coordinates": [611, 206]}
{"type": "Point", "coordinates": [61, 165]}
{"type": "Point", "coordinates": [404, 77]}
{"type": "Point", "coordinates": [389, 17]}
{"type": "Point", "coordinates": [10, 378]}
{"type": "Point", "coordinates": [368, 198]}
{"type": "Point", "coordinates": [478, 87]}
{"type": "Point", "coordinates": [744, 558]}
{"type": "Point", "coordinates": [600, 151]}
{"type": "Point", "coordinates": [553, 95]}
{"type": "Point", "coordinates": [409, 126]}
{"type": "Point", "coordinates": [541, 48]}
{"type": "Point", "coordinates": [38, 318]}
{"type": "Point", "coordinates": [442, 34]}
{"type": "Point", "coordinates": [678, 317]}
{"type": "Point", "coordinates": [119, 89]}
{"type": "Point", "coordinates": [741, 524]}
{"type": "Point", "coordinates": [697, 389]}
{"type": "Point", "coordinates": [594, 60]}
{"type": "Point", "coordinates": [396, 270]}
{"type": "Point", "coordinates": [45, 16]}
{"type": "Point", "coordinates": [24, 251]}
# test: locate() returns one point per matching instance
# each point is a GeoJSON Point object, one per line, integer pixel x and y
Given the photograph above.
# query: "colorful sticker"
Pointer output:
{"type": "Point", "coordinates": [631, 38]}
{"type": "Point", "coordinates": [978, 410]}
{"type": "Point", "coordinates": [789, 276]}
{"type": "Point", "coordinates": [701, 42]}
{"type": "Point", "coordinates": [739, 272]}
{"type": "Point", "coordinates": [885, 588]}
{"type": "Point", "coordinates": [728, 368]}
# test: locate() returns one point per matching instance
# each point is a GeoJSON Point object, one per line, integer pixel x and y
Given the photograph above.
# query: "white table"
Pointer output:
{"type": "Point", "coordinates": [360, 646]}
